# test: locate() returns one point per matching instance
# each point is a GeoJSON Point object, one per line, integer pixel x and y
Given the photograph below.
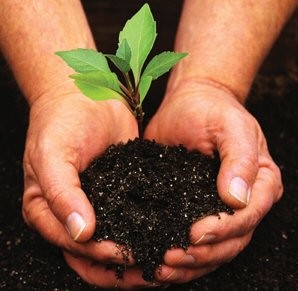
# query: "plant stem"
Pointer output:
{"type": "Point", "coordinates": [124, 89]}
{"type": "Point", "coordinates": [139, 116]}
{"type": "Point", "coordinates": [127, 96]}
{"type": "Point", "coordinates": [128, 83]}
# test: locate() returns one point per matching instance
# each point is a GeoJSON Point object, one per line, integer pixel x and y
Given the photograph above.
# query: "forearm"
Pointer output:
{"type": "Point", "coordinates": [30, 33]}
{"type": "Point", "coordinates": [227, 40]}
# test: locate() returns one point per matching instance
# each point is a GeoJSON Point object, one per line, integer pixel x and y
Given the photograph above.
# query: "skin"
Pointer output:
{"type": "Point", "coordinates": [206, 90]}
{"type": "Point", "coordinates": [66, 131]}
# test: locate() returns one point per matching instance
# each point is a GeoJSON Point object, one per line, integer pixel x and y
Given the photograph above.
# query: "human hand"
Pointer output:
{"type": "Point", "coordinates": [206, 117]}
{"type": "Point", "coordinates": [66, 132]}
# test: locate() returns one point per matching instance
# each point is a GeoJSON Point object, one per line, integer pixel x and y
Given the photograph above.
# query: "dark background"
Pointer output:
{"type": "Point", "coordinates": [270, 262]}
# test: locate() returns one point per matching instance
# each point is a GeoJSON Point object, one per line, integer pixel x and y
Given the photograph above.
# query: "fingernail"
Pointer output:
{"type": "Point", "coordinates": [188, 259]}
{"type": "Point", "coordinates": [238, 188]}
{"type": "Point", "coordinates": [205, 239]}
{"type": "Point", "coordinates": [75, 225]}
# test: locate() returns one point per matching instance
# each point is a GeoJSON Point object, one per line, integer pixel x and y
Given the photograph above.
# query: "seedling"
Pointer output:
{"type": "Point", "coordinates": [95, 79]}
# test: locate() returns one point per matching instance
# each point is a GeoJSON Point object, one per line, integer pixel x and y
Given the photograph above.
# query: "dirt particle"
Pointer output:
{"type": "Point", "coordinates": [147, 195]}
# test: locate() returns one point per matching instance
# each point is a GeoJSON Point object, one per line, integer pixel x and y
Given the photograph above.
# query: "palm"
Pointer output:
{"type": "Point", "coordinates": [190, 119]}
{"type": "Point", "coordinates": [83, 126]}
{"type": "Point", "coordinates": [208, 118]}
{"type": "Point", "coordinates": [65, 133]}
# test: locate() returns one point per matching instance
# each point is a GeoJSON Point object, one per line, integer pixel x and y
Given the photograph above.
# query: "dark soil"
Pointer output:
{"type": "Point", "coordinates": [270, 262]}
{"type": "Point", "coordinates": [147, 195]}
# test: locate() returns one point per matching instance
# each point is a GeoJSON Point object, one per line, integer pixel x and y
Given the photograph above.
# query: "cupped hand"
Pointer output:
{"type": "Point", "coordinates": [207, 117]}
{"type": "Point", "coordinates": [67, 131]}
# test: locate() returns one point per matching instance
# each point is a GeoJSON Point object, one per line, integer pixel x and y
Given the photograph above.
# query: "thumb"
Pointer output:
{"type": "Point", "coordinates": [238, 151]}
{"type": "Point", "coordinates": [62, 189]}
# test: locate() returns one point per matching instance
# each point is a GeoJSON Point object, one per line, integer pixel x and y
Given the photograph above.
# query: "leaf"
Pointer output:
{"type": "Point", "coordinates": [120, 63]}
{"type": "Point", "coordinates": [105, 79]}
{"type": "Point", "coordinates": [98, 85]}
{"type": "Point", "coordinates": [140, 34]}
{"type": "Point", "coordinates": [162, 63]}
{"type": "Point", "coordinates": [144, 86]}
{"type": "Point", "coordinates": [96, 92]}
{"type": "Point", "coordinates": [124, 51]}
{"type": "Point", "coordinates": [85, 60]}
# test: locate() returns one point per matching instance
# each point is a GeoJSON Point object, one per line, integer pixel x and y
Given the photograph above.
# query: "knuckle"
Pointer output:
{"type": "Point", "coordinates": [203, 254]}
{"type": "Point", "coordinates": [55, 195]}
{"type": "Point", "coordinates": [247, 164]}
{"type": "Point", "coordinates": [258, 213]}
{"type": "Point", "coordinates": [222, 228]}
{"type": "Point", "coordinates": [276, 172]}
{"type": "Point", "coordinates": [277, 178]}
{"type": "Point", "coordinates": [250, 162]}
{"type": "Point", "coordinates": [30, 204]}
{"type": "Point", "coordinates": [248, 223]}
{"type": "Point", "coordinates": [272, 174]}
{"type": "Point", "coordinates": [238, 247]}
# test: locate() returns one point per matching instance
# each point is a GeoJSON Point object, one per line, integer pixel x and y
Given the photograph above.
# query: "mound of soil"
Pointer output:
{"type": "Point", "coordinates": [147, 195]}
{"type": "Point", "coordinates": [269, 262]}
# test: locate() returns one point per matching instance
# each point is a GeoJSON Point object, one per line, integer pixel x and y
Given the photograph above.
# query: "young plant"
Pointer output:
{"type": "Point", "coordinates": [95, 79]}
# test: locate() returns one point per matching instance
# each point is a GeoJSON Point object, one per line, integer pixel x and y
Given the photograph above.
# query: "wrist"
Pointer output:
{"type": "Point", "coordinates": [202, 85]}
{"type": "Point", "coordinates": [228, 40]}
{"type": "Point", "coordinates": [50, 89]}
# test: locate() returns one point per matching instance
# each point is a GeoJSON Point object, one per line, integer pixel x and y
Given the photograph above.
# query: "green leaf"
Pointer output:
{"type": "Point", "coordinates": [98, 85]}
{"type": "Point", "coordinates": [105, 79]}
{"type": "Point", "coordinates": [144, 86]}
{"type": "Point", "coordinates": [120, 63]}
{"type": "Point", "coordinates": [85, 60]}
{"type": "Point", "coordinates": [162, 63]}
{"type": "Point", "coordinates": [124, 51]}
{"type": "Point", "coordinates": [96, 92]}
{"type": "Point", "coordinates": [140, 34]}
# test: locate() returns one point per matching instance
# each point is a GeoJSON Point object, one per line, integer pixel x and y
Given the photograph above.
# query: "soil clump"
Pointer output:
{"type": "Point", "coordinates": [147, 195]}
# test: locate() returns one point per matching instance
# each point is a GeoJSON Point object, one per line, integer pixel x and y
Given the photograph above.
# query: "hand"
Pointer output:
{"type": "Point", "coordinates": [207, 117]}
{"type": "Point", "coordinates": [66, 132]}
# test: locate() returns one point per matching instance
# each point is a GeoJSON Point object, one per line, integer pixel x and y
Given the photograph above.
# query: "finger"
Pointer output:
{"type": "Point", "coordinates": [238, 148]}
{"type": "Point", "coordinates": [208, 254]}
{"type": "Point", "coordinates": [60, 184]}
{"type": "Point", "coordinates": [170, 275]}
{"type": "Point", "coordinates": [37, 212]}
{"type": "Point", "coordinates": [266, 190]}
{"type": "Point", "coordinates": [100, 275]}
